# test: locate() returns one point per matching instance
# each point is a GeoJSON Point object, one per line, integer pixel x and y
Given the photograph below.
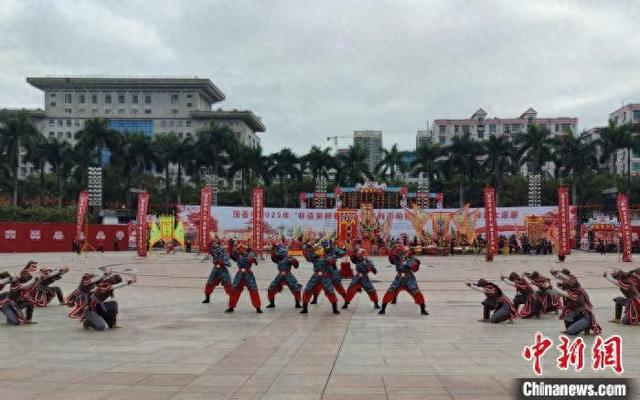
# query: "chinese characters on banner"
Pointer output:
{"type": "Point", "coordinates": [347, 226]}
{"type": "Point", "coordinates": [564, 247]}
{"type": "Point", "coordinates": [605, 353]}
{"type": "Point", "coordinates": [625, 226]}
{"type": "Point", "coordinates": [258, 219]}
{"type": "Point", "coordinates": [83, 202]}
{"type": "Point", "coordinates": [204, 238]}
{"type": "Point", "coordinates": [491, 222]}
{"type": "Point", "coordinates": [141, 234]}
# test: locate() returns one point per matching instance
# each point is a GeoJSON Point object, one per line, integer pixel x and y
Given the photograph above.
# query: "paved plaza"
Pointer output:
{"type": "Point", "coordinates": [172, 347]}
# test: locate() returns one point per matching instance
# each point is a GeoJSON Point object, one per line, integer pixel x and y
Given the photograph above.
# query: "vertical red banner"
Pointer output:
{"type": "Point", "coordinates": [204, 238]}
{"type": "Point", "coordinates": [491, 222]}
{"type": "Point", "coordinates": [258, 219]}
{"type": "Point", "coordinates": [625, 226]}
{"type": "Point", "coordinates": [302, 199]}
{"type": "Point", "coordinates": [564, 230]}
{"type": "Point", "coordinates": [141, 231]}
{"type": "Point", "coordinates": [83, 202]}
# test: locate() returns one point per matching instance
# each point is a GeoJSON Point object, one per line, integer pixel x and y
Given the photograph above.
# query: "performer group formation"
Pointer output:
{"type": "Point", "coordinates": [93, 305]}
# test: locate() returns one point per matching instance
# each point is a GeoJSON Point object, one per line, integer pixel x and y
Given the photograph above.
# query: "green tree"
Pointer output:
{"type": "Point", "coordinates": [575, 157]}
{"type": "Point", "coordinates": [319, 161]}
{"type": "Point", "coordinates": [391, 163]}
{"type": "Point", "coordinates": [463, 154]}
{"type": "Point", "coordinates": [213, 146]}
{"type": "Point", "coordinates": [353, 167]}
{"type": "Point", "coordinates": [535, 147]}
{"type": "Point", "coordinates": [498, 161]}
{"type": "Point", "coordinates": [97, 136]}
{"type": "Point", "coordinates": [165, 147]}
{"type": "Point", "coordinates": [286, 167]}
{"type": "Point", "coordinates": [17, 132]}
{"type": "Point", "coordinates": [426, 161]}
{"type": "Point", "coordinates": [616, 137]}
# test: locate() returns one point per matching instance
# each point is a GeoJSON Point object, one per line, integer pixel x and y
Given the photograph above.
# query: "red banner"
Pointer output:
{"type": "Point", "coordinates": [204, 238]}
{"type": "Point", "coordinates": [491, 222]}
{"type": "Point", "coordinates": [258, 219]}
{"type": "Point", "coordinates": [141, 234]}
{"type": "Point", "coordinates": [625, 226]}
{"type": "Point", "coordinates": [83, 202]}
{"type": "Point", "coordinates": [564, 229]}
{"type": "Point", "coordinates": [347, 226]}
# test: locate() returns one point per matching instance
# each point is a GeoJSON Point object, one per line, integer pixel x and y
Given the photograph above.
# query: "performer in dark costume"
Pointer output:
{"type": "Point", "coordinates": [103, 312]}
{"type": "Point", "coordinates": [547, 302]}
{"type": "Point", "coordinates": [630, 303]}
{"type": "Point", "coordinates": [361, 279]}
{"type": "Point", "coordinates": [44, 292]}
{"type": "Point", "coordinates": [406, 265]}
{"type": "Point", "coordinates": [334, 252]}
{"type": "Point", "coordinates": [495, 300]}
{"type": "Point", "coordinates": [525, 296]}
{"type": "Point", "coordinates": [219, 272]}
{"type": "Point", "coordinates": [8, 307]}
{"type": "Point", "coordinates": [244, 277]}
{"type": "Point", "coordinates": [22, 290]}
{"type": "Point", "coordinates": [577, 311]}
{"type": "Point", "coordinates": [80, 299]}
{"type": "Point", "coordinates": [321, 277]}
{"type": "Point", "coordinates": [280, 256]}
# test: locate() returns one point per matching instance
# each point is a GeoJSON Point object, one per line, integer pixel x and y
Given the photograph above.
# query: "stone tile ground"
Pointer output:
{"type": "Point", "coordinates": [173, 347]}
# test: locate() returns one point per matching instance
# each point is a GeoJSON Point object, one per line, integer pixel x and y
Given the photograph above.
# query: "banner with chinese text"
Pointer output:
{"type": "Point", "coordinates": [258, 219]}
{"type": "Point", "coordinates": [204, 238]}
{"type": "Point", "coordinates": [625, 226]}
{"type": "Point", "coordinates": [491, 222]}
{"type": "Point", "coordinates": [141, 227]}
{"type": "Point", "coordinates": [83, 202]}
{"type": "Point", "coordinates": [564, 245]}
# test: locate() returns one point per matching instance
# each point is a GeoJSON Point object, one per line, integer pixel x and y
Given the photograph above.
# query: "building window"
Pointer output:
{"type": "Point", "coordinates": [68, 135]}
{"type": "Point", "coordinates": [492, 128]}
{"type": "Point", "coordinates": [68, 122]}
{"type": "Point", "coordinates": [480, 134]}
{"type": "Point", "coordinates": [94, 110]}
{"type": "Point", "coordinates": [566, 127]}
{"type": "Point", "coordinates": [120, 110]}
{"type": "Point", "coordinates": [189, 96]}
{"type": "Point", "coordinates": [81, 110]}
{"type": "Point", "coordinates": [94, 99]}
{"type": "Point", "coordinates": [52, 134]}
{"type": "Point", "coordinates": [120, 99]}
{"type": "Point", "coordinates": [636, 115]}
{"type": "Point", "coordinates": [59, 135]}
{"type": "Point", "coordinates": [67, 111]}
{"type": "Point", "coordinates": [163, 123]}
{"type": "Point", "coordinates": [76, 122]}
{"type": "Point", "coordinates": [67, 98]}
{"type": "Point", "coordinates": [51, 122]}
{"type": "Point", "coordinates": [147, 99]}
{"type": "Point", "coordinates": [147, 111]}
{"type": "Point", "coordinates": [107, 111]}
{"type": "Point", "coordinates": [188, 134]}
{"type": "Point", "coordinates": [189, 105]}
{"type": "Point", "coordinates": [465, 129]}
{"type": "Point", "coordinates": [456, 129]}
{"type": "Point", "coordinates": [179, 124]}
{"type": "Point", "coordinates": [174, 111]}
{"type": "Point", "coordinates": [134, 111]}
{"type": "Point", "coordinates": [174, 99]}
{"type": "Point", "coordinates": [107, 98]}
{"type": "Point", "coordinates": [557, 127]}
{"type": "Point", "coordinates": [134, 99]}
{"type": "Point", "coordinates": [507, 128]}
{"type": "Point", "coordinates": [187, 123]}
{"type": "Point", "coordinates": [52, 104]}
{"type": "Point", "coordinates": [180, 135]}
{"type": "Point", "coordinates": [81, 98]}
{"type": "Point", "coordinates": [443, 140]}
{"type": "Point", "coordinates": [52, 95]}
{"type": "Point", "coordinates": [443, 128]}
{"type": "Point", "coordinates": [172, 123]}
{"type": "Point", "coordinates": [60, 122]}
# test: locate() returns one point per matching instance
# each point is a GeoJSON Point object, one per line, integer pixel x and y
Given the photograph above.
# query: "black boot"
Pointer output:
{"type": "Point", "coordinates": [486, 313]}
{"type": "Point", "coordinates": [376, 305]}
{"type": "Point", "coordinates": [258, 310]}
{"type": "Point", "coordinates": [345, 306]}
{"type": "Point", "coordinates": [315, 299]}
{"type": "Point", "coordinates": [271, 304]}
{"type": "Point", "coordinates": [618, 311]}
{"type": "Point", "coordinates": [298, 304]}
{"type": "Point", "coordinates": [383, 309]}
{"type": "Point", "coordinates": [423, 310]}
{"type": "Point", "coordinates": [206, 300]}
{"type": "Point", "coordinates": [335, 308]}
{"type": "Point", "coordinates": [304, 309]}
{"type": "Point", "coordinates": [229, 310]}
{"type": "Point", "coordinates": [395, 300]}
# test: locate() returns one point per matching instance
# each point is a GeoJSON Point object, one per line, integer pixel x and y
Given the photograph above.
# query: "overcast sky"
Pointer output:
{"type": "Point", "coordinates": [312, 69]}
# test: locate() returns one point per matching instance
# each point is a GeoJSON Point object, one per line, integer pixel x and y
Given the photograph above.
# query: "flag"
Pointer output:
{"type": "Point", "coordinates": [178, 233]}
{"type": "Point", "coordinates": [155, 234]}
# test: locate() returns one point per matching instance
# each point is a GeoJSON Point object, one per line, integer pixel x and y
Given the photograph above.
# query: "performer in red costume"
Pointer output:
{"type": "Point", "coordinates": [361, 280]}
{"type": "Point", "coordinates": [547, 302]}
{"type": "Point", "coordinates": [44, 292]}
{"type": "Point", "coordinates": [577, 311]}
{"type": "Point", "coordinates": [244, 277]}
{"type": "Point", "coordinates": [219, 272]}
{"type": "Point", "coordinates": [8, 307]}
{"type": "Point", "coordinates": [495, 300]}
{"type": "Point", "coordinates": [525, 296]}
{"type": "Point", "coordinates": [406, 265]}
{"type": "Point", "coordinates": [630, 303]}
{"type": "Point", "coordinates": [22, 292]}
{"type": "Point", "coordinates": [280, 256]}
{"type": "Point", "coordinates": [321, 278]}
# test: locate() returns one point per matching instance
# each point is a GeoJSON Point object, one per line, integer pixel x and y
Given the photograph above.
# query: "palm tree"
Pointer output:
{"type": "Point", "coordinates": [392, 162]}
{"type": "Point", "coordinates": [17, 132]}
{"type": "Point", "coordinates": [426, 161]}
{"type": "Point", "coordinates": [535, 147]}
{"type": "Point", "coordinates": [213, 147]}
{"type": "Point", "coordinates": [242, 161]}
{"type": "Point", "coordinates": [37, 155]}
{"type": "Point", "coordinates": [184, 156]}
{"type": "Point", "coordinates": [319, 161]}
{"type": "Point", "coordinates": [137, 156]}
{"type": "Point", "coordinates": [353, 167]}
{"type": "Point", "coordinates": [61, 156]}
{"type": "Point", "coordinates": [286, 166]}
{"type": "Point", "coordinates": [463, 154]}
{"type": "Point", "coordinates": [165, 147]}
{"type": "Point", "coordinates": [97, 136]}
{"type": "Point", "coordinates": [616, 137]}
{"type": "Point", "coordinates": [498, 161]}
{"type": "Point", "coordinates": [574, 158]}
